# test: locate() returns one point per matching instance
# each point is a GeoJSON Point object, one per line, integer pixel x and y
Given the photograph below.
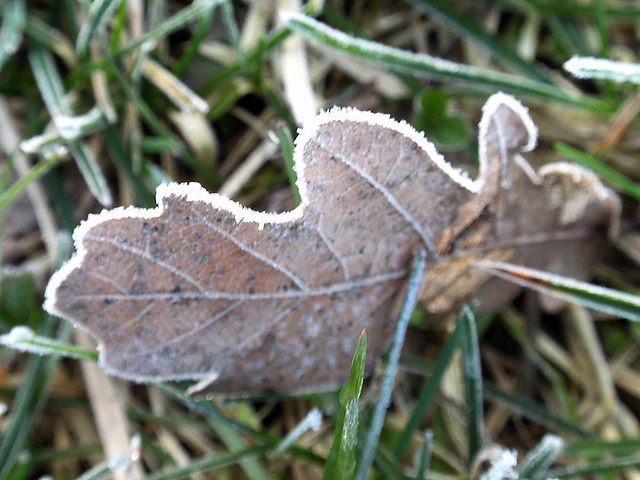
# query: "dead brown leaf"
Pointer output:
{"type": "Point", "coordinates": [201, 287]}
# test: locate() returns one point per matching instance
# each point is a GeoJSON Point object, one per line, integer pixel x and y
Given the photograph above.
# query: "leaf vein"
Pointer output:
{"type": "Point", "coordinates": [425, 235]}
{"type": "Point", "coordinates": [146, 256]}
{"type": "Point", "coordinates": [258, 256]}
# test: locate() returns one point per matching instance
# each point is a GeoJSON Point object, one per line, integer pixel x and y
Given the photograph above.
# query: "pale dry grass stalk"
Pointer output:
{"type": "Point", "coordinates": [166, 438]}
{"type": "Point", "coordinates": [250, 142]}
{"type": "Point", "coordinates": [249, 167]}
{"type": "Point", "coordinates": [294, 72]}
{"type": "Point", "coordinates": [9, 141]}
{"type": "Point", "coordinates": [109, 413]}
{"type": "Point", "coordinates": [100, 86]}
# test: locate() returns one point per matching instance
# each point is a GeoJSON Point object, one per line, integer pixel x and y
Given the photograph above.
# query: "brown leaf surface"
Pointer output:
{"type": "Point", "coordinates": [201, 287]}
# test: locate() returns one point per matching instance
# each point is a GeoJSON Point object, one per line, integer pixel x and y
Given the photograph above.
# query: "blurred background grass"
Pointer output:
{"type": "Point", "coordinates": [102, 101]}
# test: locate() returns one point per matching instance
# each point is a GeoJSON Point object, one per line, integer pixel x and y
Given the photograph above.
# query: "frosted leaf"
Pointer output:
{"type": "Point", "coordinates": [202, 288]}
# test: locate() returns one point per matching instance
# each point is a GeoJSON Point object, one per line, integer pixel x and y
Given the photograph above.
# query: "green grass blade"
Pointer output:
{"type": "Point", "coordinates": [32, 393]}
{"type": "Point", "coordinates": [341, 462]}
{"type": "Point", "coordinates": [286, 147]}
{"type": "Point", "coordinates": [429, 391]}
{"type": "Point", "coordinates": [473, 384]}
{"type": "Point", "coordinates": [14, 19]}
{"type": "Point", "coordinates": [600, 447]}
{"type": "Point", "coordinates": [99, 13]}
{"type": "Point", "coordinates": [231, 26]}
{"type": "Point", "coordinates": [12, 193]}
{"type": "Point", "coordinates": [422, 65]}
{"type": "Point", "coordinates": [211, 463]}
{"type": "Point", "coordinates": [42, 458]}
{"type": "Point", "coordinates": [610, 174]}
{"type": "Point", "coordinates": [252, 466]}
{"type": "Point", "coordinates": [191, 49]}
{"type": "Point", "coordinates": [573, 9]}
{"type": "Point", "coordinates": [25, 340]}
{"type": "Point", "coordinates": [539, 459]}
{"type": "Point", "coordinates": [256, 56]}
{"type": "Point", "coordinates": [171, 24]}
{"type": "Point", "coordinates": [229, 430]}
{"type": "Point", "coordinates": [470, 28]}
{"type": "Point", "coordinates": [592, 296]}
{"type": "Point", "coordinates": [353, 387]}
{"type": "Point", "coordinates": [411, 298]}
{"type": "Point", "coordinates": [28, 403]}
{"type": "Point", "coordinates": [49, 81]}
{"type": "Point", "coordinates": [143, 108]}
{"type": "Point", "coordinates": [209, 410]}
{"type": "Point", "coordinates": [533, 411]}
{"type": "Point", "coordinates": [90, 169]}
{"type": "Point", "coordinates": [595, 469]}
{"type": "Point", "coordinates": [604, 69]}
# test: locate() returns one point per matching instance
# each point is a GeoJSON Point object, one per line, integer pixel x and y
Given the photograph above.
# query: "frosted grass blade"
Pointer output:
{"type": "Point", "coordinates": [52, 91]}
{"type": "Point", "coordinates": [26, 340]}
{"type": "Point", "coordinates": [14, 19]}
{"type": "Point", "coordinates": [538, 460]}
{"type": "Point", "coordinates": [604, 69]}
{"type": "Point", "coordinates": [501, 466]}
{"type": "Point", "coordinates": [592, 296]}
{"type": "Point", "coordinates": [421, 65]}
{"type": "Point", "coordinates": [99, 13]}
{"type": "Point", "coordinates": [77, 126]}
{"type": "Point", "coordinates": [411, 298]}
{"type": "Point", "coordinates": [91, 172]}
{"type": "Point", "coordinates": [312, 421]}
{"type": "Point", "coordinates": [28, 403]}
{"type": "Point", "coordinates": [425, 456]}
